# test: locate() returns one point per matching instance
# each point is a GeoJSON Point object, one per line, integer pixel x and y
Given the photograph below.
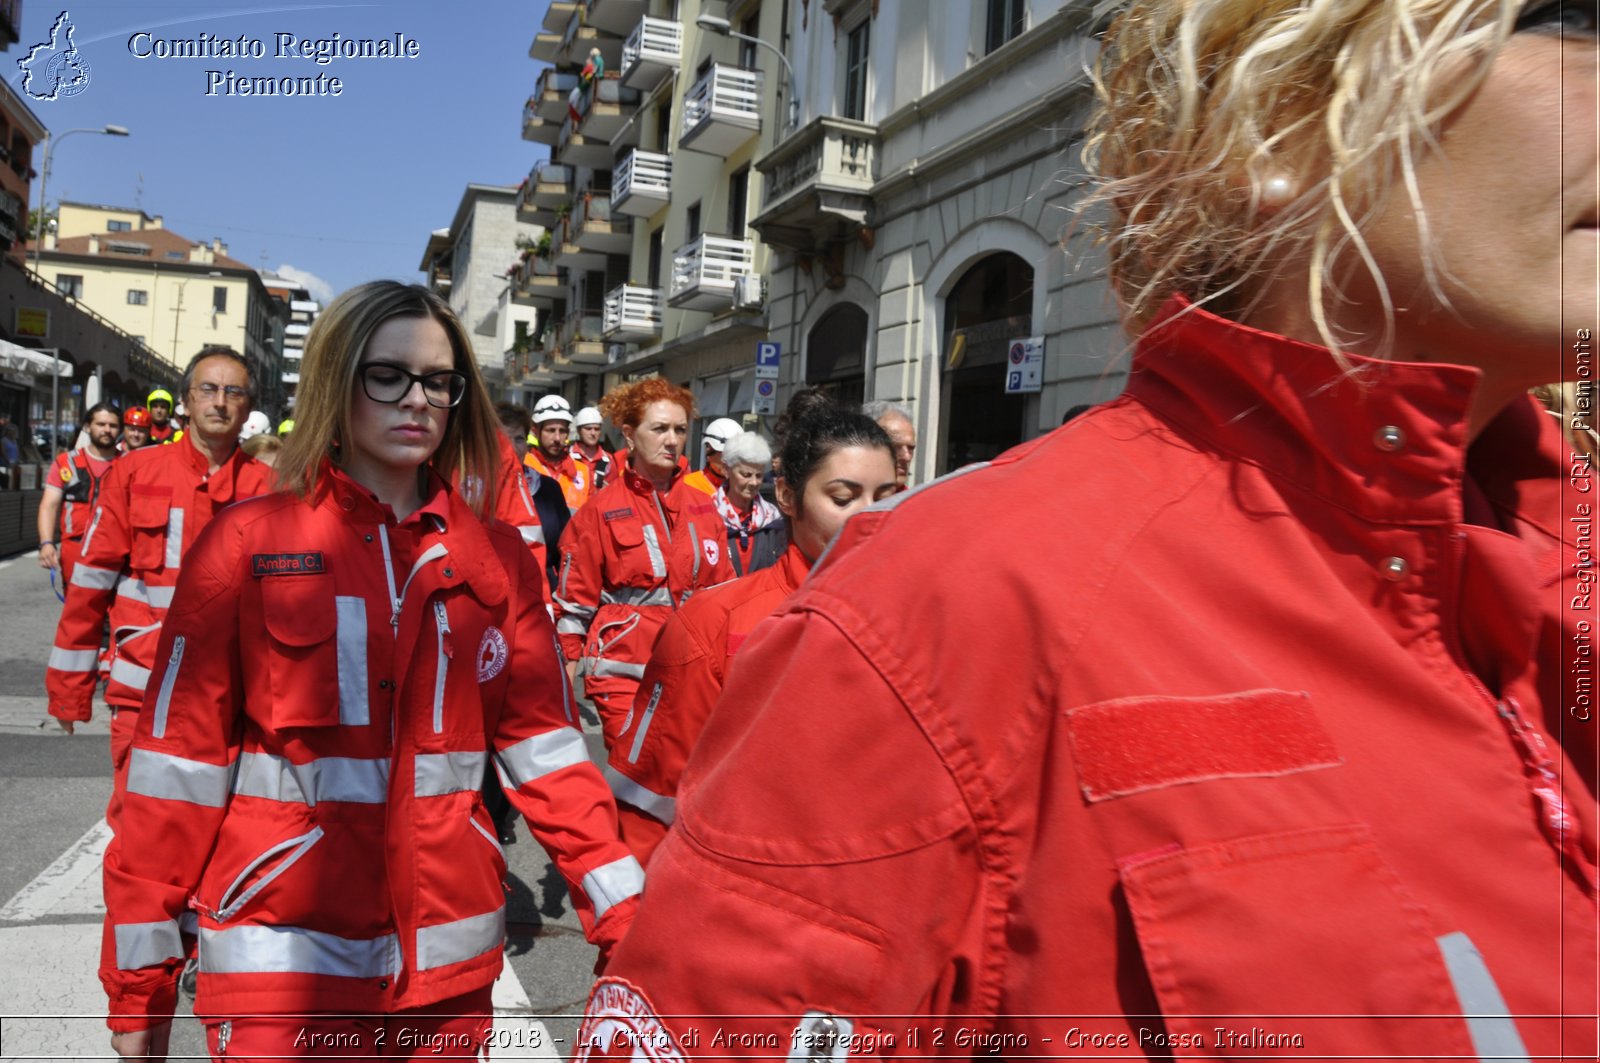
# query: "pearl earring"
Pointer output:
{"type": "Point", "coordinates": [1277, 191]}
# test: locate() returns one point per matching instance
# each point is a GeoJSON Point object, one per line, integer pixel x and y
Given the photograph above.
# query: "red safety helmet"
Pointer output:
{"type": "Point", "coordinates": [136, 417]}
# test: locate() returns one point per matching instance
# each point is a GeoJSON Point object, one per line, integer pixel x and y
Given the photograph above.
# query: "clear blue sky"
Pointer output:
{"type": "Point", "coordinates": [343, 188]}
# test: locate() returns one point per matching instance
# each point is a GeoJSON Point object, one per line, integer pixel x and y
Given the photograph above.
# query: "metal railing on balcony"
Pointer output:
{"type": "Point", "coordinates": [722, 110]}
{"type": "Point", "coordinates": [652, 51]}
{"type": "Point", "coordinates": [705, 269]}
{"type": "Point", "coordinates": [641, 183]}
{"type": "Point", "coordinates": [633, 313]}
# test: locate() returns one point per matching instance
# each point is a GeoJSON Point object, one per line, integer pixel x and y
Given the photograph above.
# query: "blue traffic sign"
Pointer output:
{"type": "Point", "coordinates": [767, 353]}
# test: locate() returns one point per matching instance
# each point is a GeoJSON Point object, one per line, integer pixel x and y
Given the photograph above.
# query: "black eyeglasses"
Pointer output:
{"type": "Point", "coordinates": [384, 382]}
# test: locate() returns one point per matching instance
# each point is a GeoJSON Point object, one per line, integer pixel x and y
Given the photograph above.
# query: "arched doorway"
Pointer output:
{"type": "Point", "coordinates": [836, 353]}
{"type": "Point", "coordinates": [990, 305]}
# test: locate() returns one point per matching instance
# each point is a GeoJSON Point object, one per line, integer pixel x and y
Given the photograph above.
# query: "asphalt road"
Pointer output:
{"type": "Point", "coordinates": [53, 792]}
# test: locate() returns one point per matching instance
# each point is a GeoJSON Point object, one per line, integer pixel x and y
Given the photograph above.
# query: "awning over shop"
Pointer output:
{"type": "Point", "coordinates": [22, 360]}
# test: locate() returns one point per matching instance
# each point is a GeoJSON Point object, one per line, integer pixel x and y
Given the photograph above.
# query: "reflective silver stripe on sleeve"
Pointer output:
{"type": "Point", "coordinates": [566, 566]}
{"type": "Point", "coordinates": [352, 652]}
{"type": "Point", "coordinates": [1489, 1022]}
{"type": "Point", "coordinates": [636, 596]}
{"type": "Point", "coordinates": [146, 944]}
{"type": "Point", "coordinates": [644, 724]}
{"type": "Point", "coordinates": [168, 681]}
{"type": "Point", "coordinates": [570, 625]}
{"type": "Point", "coordinates": [174, 537]}
{"type": "Point", "coordinates": [129, 674]}
{"type": "Point", "coordinates": [582, 613]}
{"type": "Point", "coordinates": [295, 950]}
{"type": "Point", "coordinates": [355, 780]}
{"type": "Point", "coordinates": [542, 754]}
{"type": "Point", "coordinates": [449, 773]}
{"type": "Point", "coordinates": [658, 560]}
{"type": "Point", "coordinates": [613, 883]}
{"type": "Point", "coordinates": [171, 778]}
{"type": "Point", "coordinates": [603, 666]}
{"type": "Point", "coordinates": [96, 579]}
{"type": "Point", "coordinates": [694, 541]}
{"type": "Point", "coordinates": [64, 660]}
{"type": "Point", "coordinates": [531, 533]}
{"type": "Point", "coordinates": [137, 590]}
{"type": "Point", "coordinates": [659, 806]}
{"type": "Point", "coordinates": [446, 943]}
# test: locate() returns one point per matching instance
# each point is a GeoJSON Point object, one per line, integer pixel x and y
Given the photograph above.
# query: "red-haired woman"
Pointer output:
{"type": "Point", "coordinates": [636, 551]}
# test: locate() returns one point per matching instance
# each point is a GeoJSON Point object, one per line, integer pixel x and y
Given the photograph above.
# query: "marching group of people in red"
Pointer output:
{"type": "Point", "coordinates": [1250, 712]}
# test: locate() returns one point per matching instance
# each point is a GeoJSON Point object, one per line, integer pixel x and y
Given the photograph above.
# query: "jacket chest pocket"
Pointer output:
{"type": "Point", "coordinates": [155, 529]}
{"type": "Point", "coordinates": [639, 550]}
{"type": "Point", "coordinates": [317, 661]}
{"type": "Point", "coordinates": [1264, 909]}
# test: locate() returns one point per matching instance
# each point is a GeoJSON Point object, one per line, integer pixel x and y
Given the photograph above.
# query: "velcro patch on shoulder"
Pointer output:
{"type": "Point", "coordinates": [617, 514]}
{"type": "Point", "coordinates": [287, 564]}
{"type": "Point", "coordinates": [1133, 745]}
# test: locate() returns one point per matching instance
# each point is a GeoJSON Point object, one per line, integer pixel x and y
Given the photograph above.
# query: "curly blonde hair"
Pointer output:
{"type": "Point", "coordinates": [1200, 102]}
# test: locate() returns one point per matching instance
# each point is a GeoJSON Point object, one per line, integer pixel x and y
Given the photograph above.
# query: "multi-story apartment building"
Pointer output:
{"type": "Point", "coordinates": [881, 187]}
{"type": "Point", "coordinates": [468, 264]}
{"type": "Point", "coordinates": [20, 131]}
{"type": "Point", "coordinates": [302, 311]}
{"type": "Point", "coordinates": [174, 294]}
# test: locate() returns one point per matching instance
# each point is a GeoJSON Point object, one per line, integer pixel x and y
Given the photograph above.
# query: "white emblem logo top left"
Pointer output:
{"type": "Point", "coordinates": [492, 654]}
{"type": "Point", "coordinates": [55, 69]}
{"type": "Point", "coordinates": [712, 553]}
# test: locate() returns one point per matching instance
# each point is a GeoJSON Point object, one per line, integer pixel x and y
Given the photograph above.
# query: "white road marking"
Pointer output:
{"type": "Point", "coordinates": [47, 981]}
{"type": "Point", "coordinates": [8, 564]}
{"type": "Point", "coordinates": [516, 1033]}
{"type": "Point", "coordinates": [67, 874]}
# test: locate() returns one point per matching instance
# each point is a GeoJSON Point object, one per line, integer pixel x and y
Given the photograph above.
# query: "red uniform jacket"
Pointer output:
{"type": "Point", "coordinates": [153, 505]}
{"type": "Point", "coordinates": [514, 505]}
{"type": "Point", "coordinates": [590, 475]}
{"type": "Point", "coordinates": [306, 773]}
{"type": "Point", "coordinates": [70, 467]}
{"type": "Point", "coordinates": [1258, 731]}
{"type": "Point", "coordinates": [628, 559]}
{"type": "Point", "coordinates": [681, 684]}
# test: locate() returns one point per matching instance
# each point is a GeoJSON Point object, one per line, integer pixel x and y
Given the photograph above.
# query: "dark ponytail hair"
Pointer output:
{"type": "Point", "coordinates": [820, 429]}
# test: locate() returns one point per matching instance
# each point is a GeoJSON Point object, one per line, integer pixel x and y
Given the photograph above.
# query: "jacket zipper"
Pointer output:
{"type": "Point", "coordinates": [168, 681]}
{"type": "Point", "coordinates": [491, 838]}
{"type": "Point", "coordinates": [226, 910]}
{"type": "Point", "coordinates": [446, 651]}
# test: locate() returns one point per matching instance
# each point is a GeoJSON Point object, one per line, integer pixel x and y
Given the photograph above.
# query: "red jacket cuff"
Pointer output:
{"type": "Point", "coordinates": [78, 713]}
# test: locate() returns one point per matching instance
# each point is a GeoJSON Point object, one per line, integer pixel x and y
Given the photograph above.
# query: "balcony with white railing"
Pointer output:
{"type": "Point", "coordinates": [633, 314]}
{"type": "Point", "coordinates": [818, 184]}
{"type": "Point", "coordinates": [722, 111]}
{"type": "Point", "coordinates": [296, 328]}
{"type": "Point", "coordinates": [641, 183]}
{"type": "Point", "coordinates": [595, 227]}
{"type": "Point", "coordinates": [615, 16]}
{"type": "Point", "coordinates": [704, 272]}
{"type": "Point", "coordinates": [652, 51]}
{"type": "Point", "coordinates": [291, 378]}
{"type": "Point", "coordinates": [304, 306]}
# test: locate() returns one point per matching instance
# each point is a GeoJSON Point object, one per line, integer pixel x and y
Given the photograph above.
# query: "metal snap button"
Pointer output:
{"type": "Point", "coordinates": [1395, 569]}
{"type": "Point", "coordinates": [1389, 438]}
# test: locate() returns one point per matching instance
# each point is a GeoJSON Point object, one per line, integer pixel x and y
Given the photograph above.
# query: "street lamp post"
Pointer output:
{"type": "Point", "coordinates": [725, 28]}
{"type": "Point", "coordinates": [44, 178]}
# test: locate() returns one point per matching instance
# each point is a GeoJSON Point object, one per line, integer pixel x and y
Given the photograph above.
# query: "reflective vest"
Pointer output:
{"type": "Point", "coordinates": [153, 505]}
{"type": "Point", "coordinates": [590, 475]}
{"type": "Point", "coordinates": [303, 787]}
{"type": "Point", "coordinates": [74, 474]}
{"type": "Point", "coordinates": [562, 472]}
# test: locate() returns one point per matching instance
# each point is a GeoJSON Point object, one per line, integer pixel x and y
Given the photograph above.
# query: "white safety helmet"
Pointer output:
{"type": "Point", "coordinates": [720, 431]}
{"type": "Point", "coordinates": [552, 408]}
{"type": "Point", "coordinates": [256, 424]}
{"type": "Point", "coordinates": [587, 415]}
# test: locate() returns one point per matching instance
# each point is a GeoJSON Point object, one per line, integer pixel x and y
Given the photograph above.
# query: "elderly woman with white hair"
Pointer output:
{"type": "Point", "coordinates": [1251, 712]}
{"type": "Point", "coordinates": [757, 531]}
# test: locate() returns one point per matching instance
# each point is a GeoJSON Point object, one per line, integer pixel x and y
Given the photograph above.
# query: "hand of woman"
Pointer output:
{"type": "Point", "coordinates": [148, 1044]}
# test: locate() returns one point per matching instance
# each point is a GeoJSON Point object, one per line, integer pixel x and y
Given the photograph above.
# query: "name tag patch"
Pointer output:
{"type": "Point", "coordinates": [617, 514]}
{"type": "Point", "coordinates": [286, 564]}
